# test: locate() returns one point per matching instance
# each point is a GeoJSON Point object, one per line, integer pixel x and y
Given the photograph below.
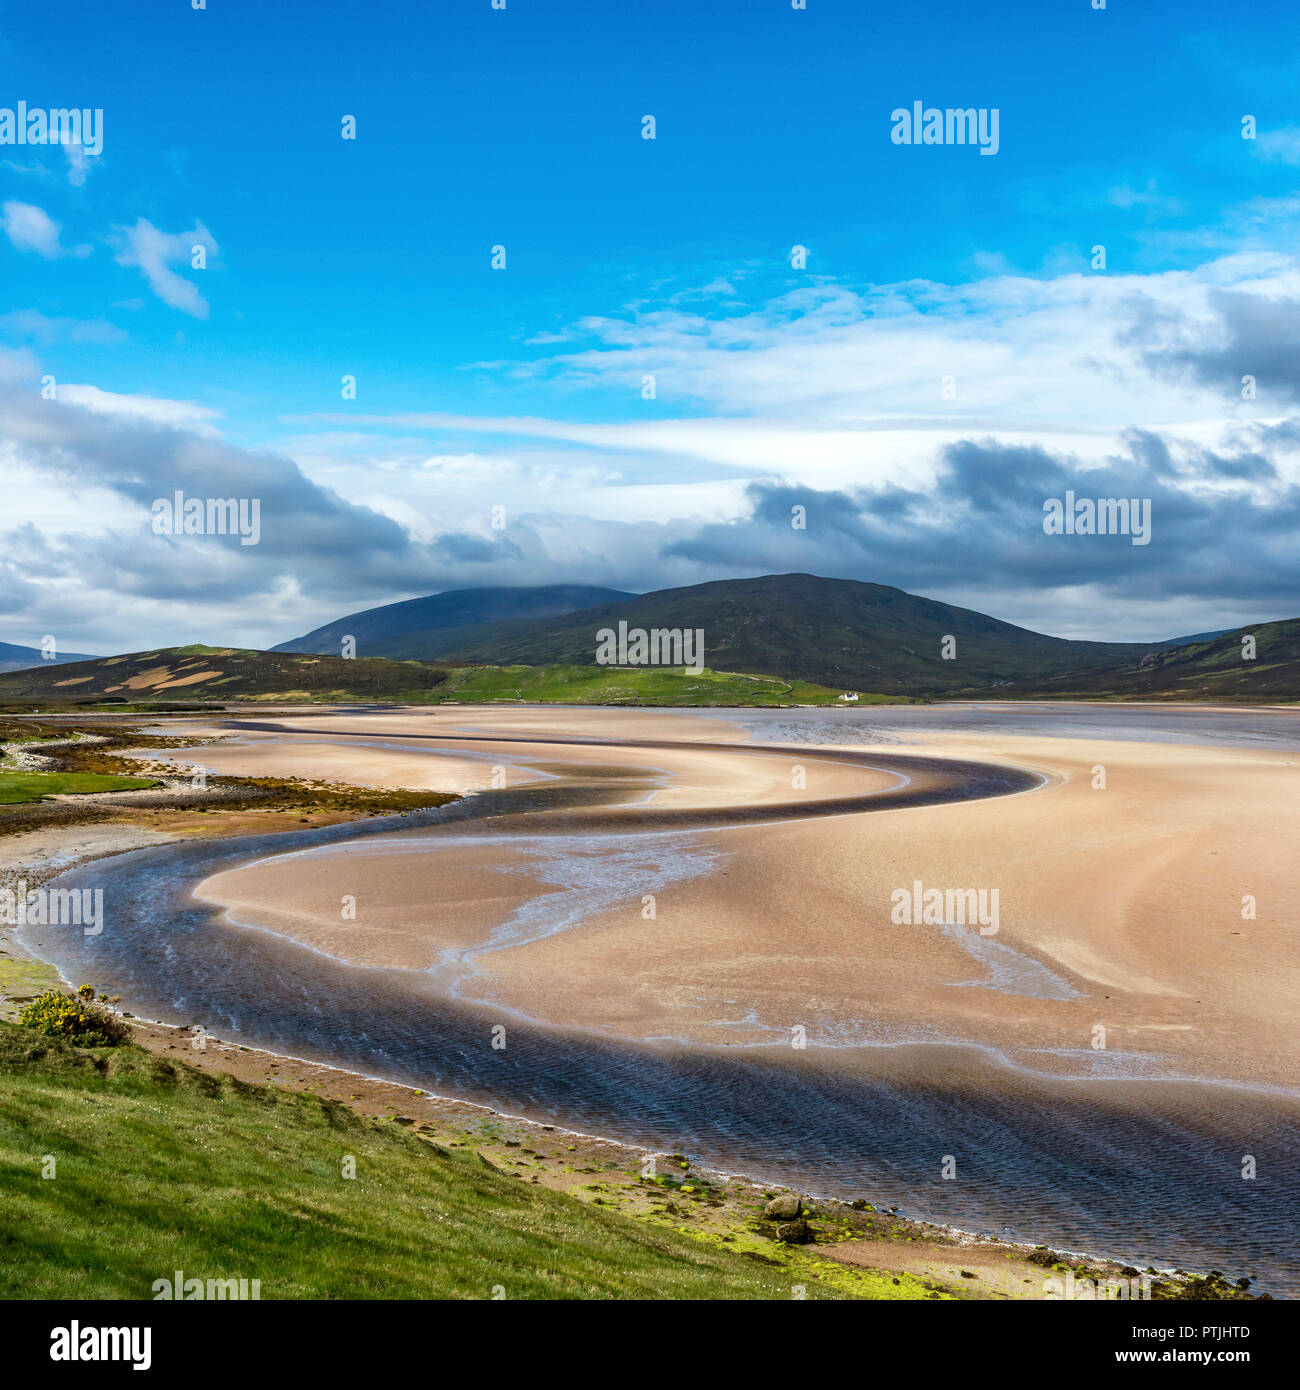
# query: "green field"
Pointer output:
{"type": "Point", "coordinates": [640, 685]}
{"type": "Point", "coordinates": [161, 1167]}
{"type": "Point", "coordinates": [32, 786]}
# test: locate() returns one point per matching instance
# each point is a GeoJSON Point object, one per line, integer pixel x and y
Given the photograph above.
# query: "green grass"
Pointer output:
{"type": "Point", "coordinates": [642, 685]}
{"type": "Point", "coordinates": [161, 1167]}
{"type": "Point", "coordinates": [32, 786]}
{"type": "Point", "coordinates": [21, 980]}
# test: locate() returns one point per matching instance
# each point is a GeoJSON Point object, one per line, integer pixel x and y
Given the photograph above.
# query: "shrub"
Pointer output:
{"type": "Point", "coordinates": [76, 1020]}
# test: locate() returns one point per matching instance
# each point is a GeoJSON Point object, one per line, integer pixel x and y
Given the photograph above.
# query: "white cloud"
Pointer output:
{"type": "Point", "coordinates": [1281, 146]}
{"type": "Point", "coordinates": [78, 163]}
{"type": "Point", "coordinates": [154, 251]}
{"type": "Point", "coordinates": [177, 414]}
{"type": "Point", "coordinates": [36, 327]}
{"type": "Point", "coordinates": [1019, 351]}
{"type": "Point", "coordinates": [32, 229]}
{"type": "Point", "coordinates": [1125, 196]}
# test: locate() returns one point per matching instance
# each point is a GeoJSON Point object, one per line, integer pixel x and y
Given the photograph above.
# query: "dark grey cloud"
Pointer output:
{"type": "Point", "coordinates": [474, 550]}
{"type": "Point", "coordinates": [1215, 534]}
{"type": "Point", "coordinates": [1250, 334]}
{"type": "Point", "coordinates": [308, 533]}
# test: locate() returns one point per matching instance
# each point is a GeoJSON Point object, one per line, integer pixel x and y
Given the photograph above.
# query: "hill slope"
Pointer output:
{"type": "Point", "coordinates": [224, 673]}
{"type": "Point", "coordinates": [1207, 670]}
{"type": "Point", "coordinates": [15, 658]}
{"type": "Point", "coordinates": [164, 1167]}
{"type": "Point", "coordinates": [419, 628]}
{"type": "Point", "coordinates": [836, 632]}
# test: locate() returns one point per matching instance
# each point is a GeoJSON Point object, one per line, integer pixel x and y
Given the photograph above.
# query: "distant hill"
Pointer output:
{"type": "Point", "coordinates": [781, 639]}
{"type": "Point", "coordinates": [223, 673]}
{"type": "Point", "coordinates": [1211, 670]}
{"type": "Point", "coordinates": [193, 674]}
{"type": "Point", "coordinates": [835, 632]}
{"type": "Point", "coordinates": [13, 658]}
{"type": "Point", "coordinates": [420, 629]}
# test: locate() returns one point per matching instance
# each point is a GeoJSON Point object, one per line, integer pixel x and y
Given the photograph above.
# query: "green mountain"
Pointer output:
{"type": "Point", "coordinates": [835, 632]}
{"type": "Point", "coordinates": [419, 628]}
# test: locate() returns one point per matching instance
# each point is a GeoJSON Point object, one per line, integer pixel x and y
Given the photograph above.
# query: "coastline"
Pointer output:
{"type": "Point", "coordinates": [697, 1200]}
{"type": "Point", "coordinates": [936, 1252]}
{"type": "Point", "coordinates": [498, 1136]}
{"type": "Point", "coordinates": [165, 1038]}
{"type": "Point", "coordinates": [494, 1134]}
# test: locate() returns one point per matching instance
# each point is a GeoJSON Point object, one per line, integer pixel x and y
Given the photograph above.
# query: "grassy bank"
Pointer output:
{"type": "Point", "coordinates": [16, 787]}
{"type": "Point", "coordinates": [233, 1168]}
{"type": "Point", "coordinates": [89, 759]}
{"type": "Point", "coordinates": [160, 1167]}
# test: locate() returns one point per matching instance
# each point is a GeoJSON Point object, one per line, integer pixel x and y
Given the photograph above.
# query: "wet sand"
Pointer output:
{"type": "Point", "coordinates": [1119, 909]}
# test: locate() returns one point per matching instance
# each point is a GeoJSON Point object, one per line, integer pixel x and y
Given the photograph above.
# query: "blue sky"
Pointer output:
{"type": "Point", "coordinates": [522, 387]}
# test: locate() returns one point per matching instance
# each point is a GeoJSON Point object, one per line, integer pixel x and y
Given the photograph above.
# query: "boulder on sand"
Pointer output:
{"type": "Point", "coordinates": [784, 1208]}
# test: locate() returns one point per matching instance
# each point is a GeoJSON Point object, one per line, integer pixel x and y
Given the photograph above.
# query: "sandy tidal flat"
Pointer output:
{"type": "Point", "coordinates": [1123, 942]}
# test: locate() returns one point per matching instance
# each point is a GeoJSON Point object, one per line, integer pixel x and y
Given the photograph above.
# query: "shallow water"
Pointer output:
{"type": "Point", "coordinates": [1189, 725]}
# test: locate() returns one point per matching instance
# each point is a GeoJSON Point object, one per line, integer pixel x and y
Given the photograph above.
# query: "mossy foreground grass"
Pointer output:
{"type": "Point", "coordinates": [32, 786]}
{"type": "Point", "coordinates": [160, 1167]}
